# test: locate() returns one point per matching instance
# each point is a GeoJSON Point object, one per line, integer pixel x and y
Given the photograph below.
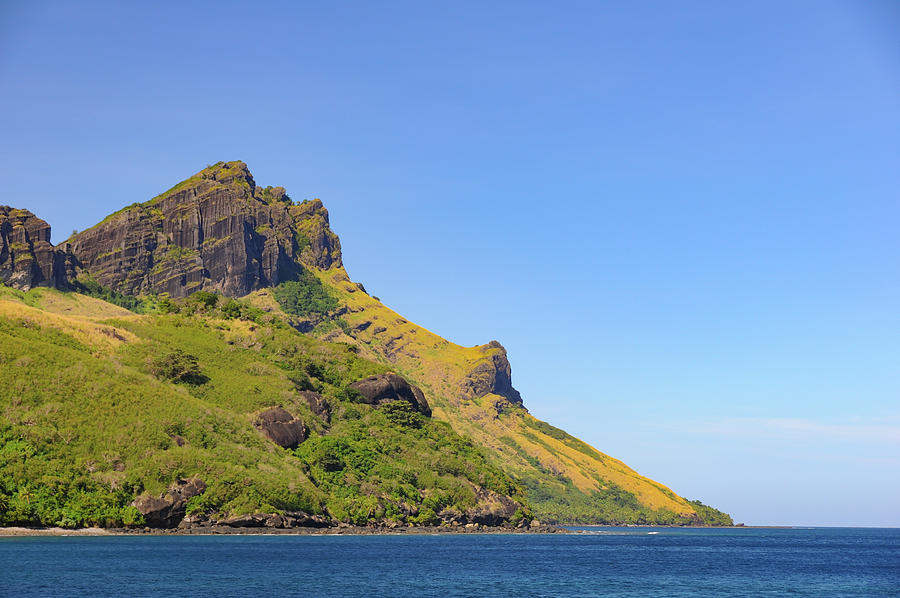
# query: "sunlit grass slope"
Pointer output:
{"type": "Point", "coordinates": [85, 425]}
{"type": "Point", "coordinates": [566, 479]}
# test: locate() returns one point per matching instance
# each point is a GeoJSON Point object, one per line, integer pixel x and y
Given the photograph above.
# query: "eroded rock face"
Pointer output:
{"type": "Point", "coordinates": [27, 259]}
{"type": "Point", "coordinates": [289, 519]}
{"type": "Point", "coordinates": [493, 375]}
{"type": "Point", "coordinates": [384, 388]}
{"type": "Point", "coordinates": [216, 231]}
{"type": "Point", "coordinates": [168, 510]}
{"type": "Point", "coordinates": [282, 428]}
{"type": "Point", "coordinates": [317, 404]}
{"type": "Point", "coordinates": [491, 509]}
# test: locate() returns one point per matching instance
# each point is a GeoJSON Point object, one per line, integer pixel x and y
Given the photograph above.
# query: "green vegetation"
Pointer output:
{"type": "Point", "coordinates": [92, 288]}
{"type": "Point", "coordinates": [177, 366]}
{"type": "Point", "coordinates": [305, 296]}
{"type": "Point", "coordinates": [97, 412]}
{"type": "Point", "coordinates": [393, 463]}
{"type": "Point", "coordinates": [710, 516]}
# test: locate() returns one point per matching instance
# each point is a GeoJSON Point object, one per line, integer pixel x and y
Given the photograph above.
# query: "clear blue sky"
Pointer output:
{"type": "Point", "coordinates": [681, 218]}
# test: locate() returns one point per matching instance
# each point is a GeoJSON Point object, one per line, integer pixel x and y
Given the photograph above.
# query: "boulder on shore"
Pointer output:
{"type": "Point", "coordinates": [168, 510]}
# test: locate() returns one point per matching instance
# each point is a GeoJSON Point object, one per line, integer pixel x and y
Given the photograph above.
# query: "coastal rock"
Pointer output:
{"type": "Point", "coordinates": [281, 427]}
{"type": "Point", "coordinates": [286, 520]}
{"type": "Point", "coordinates": [384, 388]}
{"type": "Point", "coordinates": [254, 520]}
{"type": "Point", "coordinates": [492, 508]}
{"type": "Point", "coordinates": [168, 510]}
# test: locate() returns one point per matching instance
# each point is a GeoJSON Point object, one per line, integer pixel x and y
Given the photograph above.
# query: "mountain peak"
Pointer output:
{"type": "Point", "coordinates": [215, 231]}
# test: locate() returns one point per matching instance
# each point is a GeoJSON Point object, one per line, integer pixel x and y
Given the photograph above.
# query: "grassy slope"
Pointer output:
{"type": "Point", "coordinates": [85, 427]}
{"type": "Point", "coordinates": [567, 480]}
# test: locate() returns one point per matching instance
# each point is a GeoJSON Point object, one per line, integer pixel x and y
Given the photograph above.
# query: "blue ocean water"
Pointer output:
{"type": "Point", "coordinates": [605, 562]}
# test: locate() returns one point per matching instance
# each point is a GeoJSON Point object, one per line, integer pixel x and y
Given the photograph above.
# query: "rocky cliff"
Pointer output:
{"type": "Point", "coordinates": [27, 259]}
{"type": "Point", "coordinates": [216, 231]}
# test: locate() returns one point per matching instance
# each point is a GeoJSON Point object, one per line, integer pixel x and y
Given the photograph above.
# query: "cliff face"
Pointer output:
{"type": "Point", "coordinates": [216, 231]}
{"type": "Point", "coordinates": [27, 259]}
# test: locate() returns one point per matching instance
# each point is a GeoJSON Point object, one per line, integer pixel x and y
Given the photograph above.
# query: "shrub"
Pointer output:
{"type": "Point", "coordinates": [305, 296]}
{"type": "Point", "coordinates": [177, 366]}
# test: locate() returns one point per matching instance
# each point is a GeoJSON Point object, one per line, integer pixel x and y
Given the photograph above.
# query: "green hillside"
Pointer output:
{"type": "Point", "coordinates": [205, 354]}
{"type": "Point", "coordinates": [87, 426]}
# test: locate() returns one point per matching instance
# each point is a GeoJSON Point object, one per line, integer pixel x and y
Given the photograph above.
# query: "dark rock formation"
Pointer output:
{"type": "Point", "coordinates": [216, 231]}
{"type": "Point", "coordinates": [27, 259]}
{"type": "Point", "coordinates": [317, 404]}
{"type": "Point", "coordinates": [384, 388]}
{"type": "Point", "coordinates": [287, 520]}
{"type": "Point", "coordinates": [493, 375]}
{"type": "Point", "coordinates": [491, 509]}
{"type": "Point", "coordinates": [168, 510]}
{"type": "Point", "coordinates": [281, 427]}
{"type": "Point", "coordinates": [318, 246]}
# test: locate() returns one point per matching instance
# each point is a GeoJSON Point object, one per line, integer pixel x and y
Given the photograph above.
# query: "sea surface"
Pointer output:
{"type": "Point", "coordinates": [598, 562]}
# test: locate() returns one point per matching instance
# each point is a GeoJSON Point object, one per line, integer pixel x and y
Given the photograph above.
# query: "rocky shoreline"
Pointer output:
{"type": "Point", "coordinates": [215, 530]}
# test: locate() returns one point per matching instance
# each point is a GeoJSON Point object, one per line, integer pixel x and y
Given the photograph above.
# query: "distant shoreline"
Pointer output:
{"type": "Point", "coordinates": [7, 532]}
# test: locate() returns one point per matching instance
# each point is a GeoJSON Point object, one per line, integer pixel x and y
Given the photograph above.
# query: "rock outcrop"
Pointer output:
{"type": "Point", "coordinates": [317, 404]}
{"type": "Point", "coordinates": [168, 510]}
{"type": "Point", "coordinates": [384, 388]}
{"type": "Point", "coordinates": [286, 520]}
{"type": "Point", "coordinates": [27, 259]}
{"type": "Point", "coordinates": [216, 231]}
{"type": "Point", "coordinates": [281, 427]}
{"type": "Point", "coordinates": [493, 375]}
{"type": "Point", "coordinates": [491, 509]}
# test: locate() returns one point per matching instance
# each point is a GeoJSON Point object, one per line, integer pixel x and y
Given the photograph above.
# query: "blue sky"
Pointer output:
{"type": "Point", "coordinates": [680, 218]}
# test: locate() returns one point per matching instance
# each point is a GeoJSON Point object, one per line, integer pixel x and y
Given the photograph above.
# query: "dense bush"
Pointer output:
{"type": "Point", "coordinates": [305, 296]}
{"type": "Point", "coordinates": [177, 366]}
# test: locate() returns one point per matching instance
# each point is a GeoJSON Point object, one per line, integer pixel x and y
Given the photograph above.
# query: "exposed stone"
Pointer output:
{"type": "Point", "coordinates": [288, 519]}
{"type": "Point", "coordinates": [492, 508]}
{"type": "Point", "coordinates": [384, 388]}
{"type": "Point", "coordinates": [216, 231]}
{"type": "Point", "coordinates": [168, 510]}
{"type": "Point", "coordinates": [317, 404]}
{"type": "Point", "coordinates": [27, 259]}
{"type": "Point", "coordinates": [492, 375]}
{"type": "Point", "coordinates": [254, 520]}
{"type": "Point", "coordinates": [281, 427]}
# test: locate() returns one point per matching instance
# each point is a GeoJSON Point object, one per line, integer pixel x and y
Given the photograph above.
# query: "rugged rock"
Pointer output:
{"type": "Point", "coordinates": [318, 245]}
{"type": "Point", "coordinates": [168, 510]}
{"type": "Point", "coordinates": [281, 427]}
{"type": "Point", "coordinates": [492, 508]}
{"type": "Point", "coordinates": [317, 404]}
{"type": "Point", "coordinates": [27, 259]}
{"type": "Point", "coordinates": [288, 519]}
{"type": "Point", "coordinates": [216, 231]}
{"type": "Point", "coordinates": [492, 375]}
{"type": "Point", "coordinates": [384, 388]}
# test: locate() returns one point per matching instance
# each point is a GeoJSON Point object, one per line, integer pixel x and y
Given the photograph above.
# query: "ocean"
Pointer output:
{"type": "Point", "coordinates": [601, 561]}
